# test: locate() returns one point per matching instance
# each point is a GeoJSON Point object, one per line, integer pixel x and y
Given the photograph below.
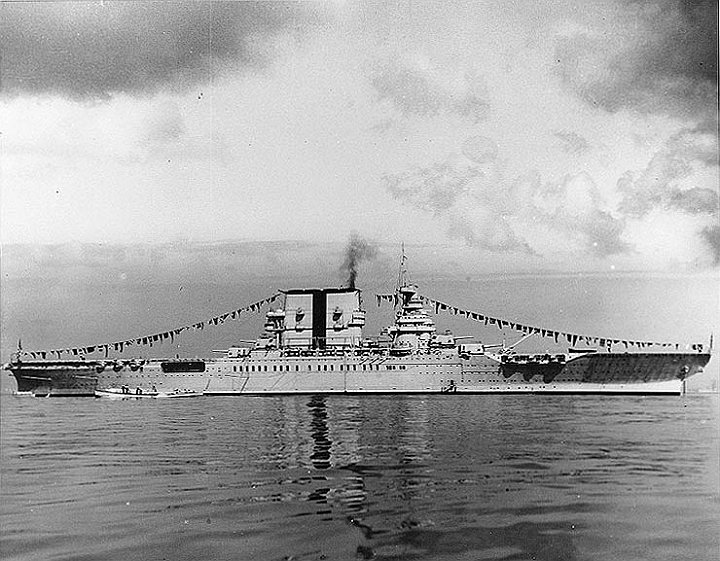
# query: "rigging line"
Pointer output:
{"type": "Point", "coordinates": [160, 337]}
{"type": "Point", "coordinates": [442, 306]}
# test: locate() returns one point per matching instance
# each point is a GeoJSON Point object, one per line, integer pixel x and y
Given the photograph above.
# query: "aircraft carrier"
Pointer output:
{"type": "Point", "coordinates": [314, 344]}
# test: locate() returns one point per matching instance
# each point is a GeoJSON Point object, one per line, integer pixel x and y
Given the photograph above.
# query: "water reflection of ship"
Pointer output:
{"type": "Point", "coordinates": [413, 436]}
{"type": "Point", "coordinates": [344, 493]}
{"type": "Point", "coordinates": [399, 434]}
{"type": "Point", "coordinates": [333, 438]}
{"type": "Point", "coordinates": [372, 463]}
{"type": "Point", "coordinates": [320, 456]}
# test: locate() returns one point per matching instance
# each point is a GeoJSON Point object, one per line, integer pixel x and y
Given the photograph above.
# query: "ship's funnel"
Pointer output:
{"type": "Point", "coordinates": [322, 318]}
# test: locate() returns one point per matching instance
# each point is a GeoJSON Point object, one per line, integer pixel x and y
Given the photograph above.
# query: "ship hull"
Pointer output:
{"type": "Point", "coordinates": [55, 378]}
{"type": "Point", "coordinates": [277, 374]}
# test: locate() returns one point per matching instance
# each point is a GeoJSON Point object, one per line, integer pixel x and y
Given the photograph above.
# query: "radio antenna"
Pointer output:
{"type": "Point", "coordinates": [402, 274]}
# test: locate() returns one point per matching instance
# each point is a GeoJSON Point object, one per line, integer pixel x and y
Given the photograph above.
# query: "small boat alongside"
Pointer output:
{"type": "Point", "coordinates": [179, 393]}
{"type": "Point", "coordinates": [124, 392]}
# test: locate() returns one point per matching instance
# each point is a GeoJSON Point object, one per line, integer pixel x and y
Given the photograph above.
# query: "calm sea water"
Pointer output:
{"type": "Point", "coordinates": [311, 477]}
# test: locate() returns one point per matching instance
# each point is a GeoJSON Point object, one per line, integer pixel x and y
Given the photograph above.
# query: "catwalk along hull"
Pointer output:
{"type": "Point", "coordinates": [277, 373]}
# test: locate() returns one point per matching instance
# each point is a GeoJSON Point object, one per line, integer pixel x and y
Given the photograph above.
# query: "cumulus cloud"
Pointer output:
{"type": "Point", "coordinates": [92, 50]}
{"type": "Point", "coordinates": [460, 191]}
{"type": "Point", "coordinates": [694, 201]}
{"type": "Point", "coordinates": [670, 180]}
{"type": "Point", "coordinates": [711, 236]}
{"type": "Point", "coordinates": [572, 143]}
{"type": "Point", "coordinates": [680, 184]}
{"type": "Point", "coordinates": [415, 87]}
{"type": "Point", "coordinates": [483, 203]}
{"type": "Point", "coordinates": [482, 227]}
{"type": "Point", "coordinates": [574, 207]}
{"type": "Point", "coordinates": [435, 188]}
{"type": "Point", "coordinates": [487, 207]}
{"type": "Point", "coordinates": [647, 56]}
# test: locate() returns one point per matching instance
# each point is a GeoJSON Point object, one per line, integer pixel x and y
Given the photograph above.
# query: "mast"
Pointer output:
{"type": "Point", "coordinates": [402, 274]}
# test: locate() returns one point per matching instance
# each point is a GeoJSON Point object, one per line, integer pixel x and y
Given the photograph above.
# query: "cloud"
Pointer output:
{"type": "Point", "coordinates": [652, 57]}
{"type": "Point", "coordinates": [166, 126]}
{"type": "Point", "coordinates": [711, 236]}
{"type": "Point", "coordinates": [458, 191]}
{"type": "Point", "coordinates": [482, 227]}
{"type": "Point", "coordinates": [694, 201]}
{"type": "Point", "coordinates": [435, 188]}
{"type": "Point", "coordinates": [480, 149]}
{"type": "Point", "coordinates": [572, 142]}
{"type": "Point", "coordinates": [453, 109]}
{"type": "Point", "coordinates": [415, 87]}
{"type": "Point", "coordinates": [574, 208]}
{"type": "Point", "coordinates": [679, 184]}
{"type": "Point", "coordinates": [486, 207]}
{"type": "Point", "coordinates": [92, 50]}
{"type": "Point", "coordinates": [670, 180]}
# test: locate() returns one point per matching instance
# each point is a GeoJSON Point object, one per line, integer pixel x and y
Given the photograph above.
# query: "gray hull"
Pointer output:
{"type": "Point", "coordinates": [275, 373]}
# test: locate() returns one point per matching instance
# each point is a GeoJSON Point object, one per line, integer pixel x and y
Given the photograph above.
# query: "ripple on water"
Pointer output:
{"type": "Point", "coordinates": [403, 477]}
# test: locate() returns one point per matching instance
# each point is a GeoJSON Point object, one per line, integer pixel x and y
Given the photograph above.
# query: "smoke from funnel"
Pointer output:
{"type": "Point", "coordinates": [357, 251]}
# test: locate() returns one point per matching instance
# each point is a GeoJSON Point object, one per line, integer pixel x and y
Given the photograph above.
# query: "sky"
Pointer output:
{"type": "Point", "coordinates": [572, 134]}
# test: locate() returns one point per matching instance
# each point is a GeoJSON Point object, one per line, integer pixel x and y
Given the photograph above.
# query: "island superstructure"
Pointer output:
{"type": "Point", "coordinates": [314, 343]}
